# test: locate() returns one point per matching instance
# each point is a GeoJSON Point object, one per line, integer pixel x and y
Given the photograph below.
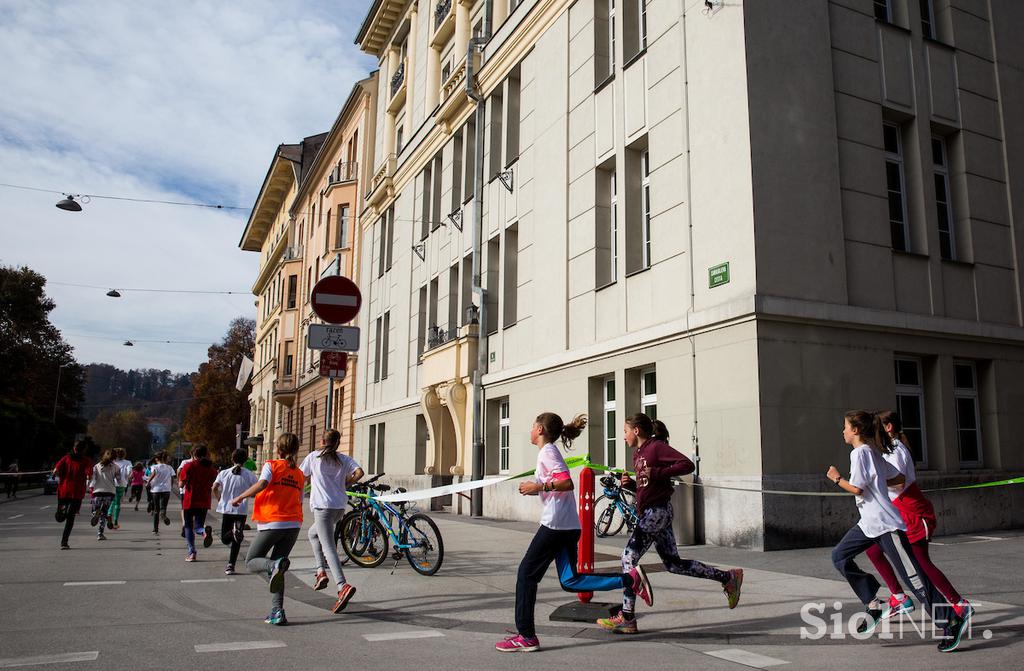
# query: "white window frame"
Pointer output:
{"type": "Point", "coordinates": [641, 21]}
{"type": "Point", "coordinates": [942, 171]}
{"type": "Point", "coordinates": [928, 18]}
{"type": "Point", "coordinates": [342, 224]}
{"type": "Point", "coordinates": [916, 391]}
{"type": "Point", "coordinates": [971, 394]}
{"type": "Point", "coordinates": [613, 224]}
{"type": "Point", "coordinates": [648, 399]}
{"type": "Point", "coordinates": [399, 132]}
{"type": "Point", "coordinates": [888, 10]}
{"type": "Point", "coordinates": [645, 185]}
{"type": "Point", "coordinates": [504, 437]}
{"type": "Point", "coordinates": [611, 38]}
{"type": "Point", "coordinates": [897, 159]}
{"type": "Point", "coordinates": [609, 407]}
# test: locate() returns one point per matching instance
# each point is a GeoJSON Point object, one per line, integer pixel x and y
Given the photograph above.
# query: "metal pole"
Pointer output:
{"type": "Point", "coordinates": [56, 397]}
{"type": "Point", "coordinates": [330, 405]}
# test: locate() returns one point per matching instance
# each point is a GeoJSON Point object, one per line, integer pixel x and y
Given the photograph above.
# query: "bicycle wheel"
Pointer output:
{"type": "Point", "coordinates": [343, 557]}
{"type": "Point", "coordinates": [427, 551]}
{"type": "Point", "coordinates": [608, 522]}
{"type": "Point", "coordinates": [364, 539]}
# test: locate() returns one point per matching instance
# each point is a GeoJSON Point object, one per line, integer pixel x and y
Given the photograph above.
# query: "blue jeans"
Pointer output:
{"type": "Point", "coordinates": [195, 521]}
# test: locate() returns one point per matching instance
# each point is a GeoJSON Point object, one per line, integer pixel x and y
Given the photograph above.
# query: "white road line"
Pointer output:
{"type": "Point", "coordinates": [209, 580]}
{"type": "Point", "coordinates": [85, 583]}
{"type": "Point", "coordinates": [45, 507]}
{"type": "Point", "coordinates": [14, 517]}
{"type": "Point", "coordinates": [746, 658]}
{"type": "Point", "coordinates": [400, 635]}
{"type": "Point", "coordinates": [239, 645]}
{"type": "Point", "coordinates": [49, 659]}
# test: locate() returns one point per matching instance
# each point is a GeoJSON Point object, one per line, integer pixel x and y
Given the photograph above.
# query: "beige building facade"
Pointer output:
{"type": "Point", "coordinates": [744, 220]}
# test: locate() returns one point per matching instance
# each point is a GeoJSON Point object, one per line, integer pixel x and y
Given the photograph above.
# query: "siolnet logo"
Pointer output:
{"type": "Point", "coordinates": [836, 626]}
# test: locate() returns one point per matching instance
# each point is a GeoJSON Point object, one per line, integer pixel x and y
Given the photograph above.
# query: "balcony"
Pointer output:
{"type": "Point", "coordinates": [437, 336]}
{"type": "Point", "coordinates": [453, 95]}
{"type": "Point", "coordinates": [381, 184]}
{"type": "Point", "coordinates": [451, 357]}
{"type": "Point", "coordinates": [398, 87]}
{"type": "Point", "coordinates": [444, 23]}
{"type": "Point", "coordinates": [293, 253]}
{"type": "Point", "coordinates": [343, 172]}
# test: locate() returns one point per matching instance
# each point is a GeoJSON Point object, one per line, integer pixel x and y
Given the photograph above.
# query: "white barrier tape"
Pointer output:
{"type": "Point", "coordinates": [444, 490]}
{"type": "Point", "coordinates": [23, 473]}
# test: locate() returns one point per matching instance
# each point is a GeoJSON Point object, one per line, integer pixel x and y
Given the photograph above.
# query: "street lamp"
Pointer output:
{"type": "Point", "coordinates": [129, 343]}
{"type": "Point", "coordinates": [114, 293]}
{"type": "Point", "coordinates": [56, 396]}
{"type": "Point", "coordinates": [69, 204]}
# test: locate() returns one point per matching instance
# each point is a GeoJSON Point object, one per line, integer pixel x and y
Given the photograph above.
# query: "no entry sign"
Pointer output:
{"type": "Point", "coordinates": [336, 299]}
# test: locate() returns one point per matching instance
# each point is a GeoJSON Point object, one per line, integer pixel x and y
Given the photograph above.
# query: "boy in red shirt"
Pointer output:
{"type": "Point", "coordinates": [197, 477]}
{"type": "Point", "coordinates": [73, 469]}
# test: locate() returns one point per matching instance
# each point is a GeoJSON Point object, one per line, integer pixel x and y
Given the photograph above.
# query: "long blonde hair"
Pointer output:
{"type": "Point", "coordinates": [288, 447]}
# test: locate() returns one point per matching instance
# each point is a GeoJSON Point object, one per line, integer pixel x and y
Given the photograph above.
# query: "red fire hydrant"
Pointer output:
{"type": "Point", "coordinates": [585, 551]}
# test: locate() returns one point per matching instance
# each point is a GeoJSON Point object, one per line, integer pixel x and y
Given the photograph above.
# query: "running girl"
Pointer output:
{"type": "Point", "coordinates": [230, 483]}
{"type": "Point", "coordinates": [655, 463]}
{"type": "Point", "coordinates": [124, 468]}
{"type": "Point", "coordinates": [197, 478]}
{"type": "Point", "coordinates": [559, 533]}
{"type": "Point", "coordinates": [277, 511]}
{"type": "Point", "coordinates": [106, 477]}
{"type": "Point", "coordinates": [137, 480]}
{"type": "Point", "coordinates": [919, 515]}
{"type": "Point", "coordinates": [879, 523]}
{"type": "Point", "coordinates": [159, 482]}
{"type": "Point", "coordinates": [330, 474]}
{"type": "Point", "coordinates": [72, 471]}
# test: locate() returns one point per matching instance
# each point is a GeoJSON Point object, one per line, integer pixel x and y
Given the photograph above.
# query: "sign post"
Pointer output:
{"type": "Point", "coordinates": [336, 300]}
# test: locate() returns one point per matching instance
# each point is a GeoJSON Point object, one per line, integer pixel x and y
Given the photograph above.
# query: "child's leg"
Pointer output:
{"type": "Point", "coordinates": [665, 544]}
{"type": "Point", "coordinates": [71, 510]}
{"type": "Point", "coordinates": [236, 542]}
{"type": "Point", "coordinates": [190, 530]}
{"type": "Point", "coordinates": [936, 576]}
{"type": "Point", "coordinates": [864, 585]}
{"type": "Point", "coordinates": [884, 568]}
{"type": "Point", "coordinates": [538, 557]}
{"type": "Point", "coordinates": [282, 548]}
{"type": "Point", "coordinates": [897, 549]}
{"type": "Point", "coordinates": [321, 537]}
{"type": "Point", "coordinates": [639, 542]}
{"type": "Point", "coordinates": [571, 581]}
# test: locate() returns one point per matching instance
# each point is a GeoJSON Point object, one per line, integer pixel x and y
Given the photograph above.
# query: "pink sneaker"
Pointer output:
{"type": "Point", "coordinates": [641, 585]}
{"type": "Point", "coordinates": [517, 643]}
{"type": "Point", "coordinates": [190, 557]}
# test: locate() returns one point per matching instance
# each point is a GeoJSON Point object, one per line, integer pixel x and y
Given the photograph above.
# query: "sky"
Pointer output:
{"type": "Point", "coordinates": [182, 101]}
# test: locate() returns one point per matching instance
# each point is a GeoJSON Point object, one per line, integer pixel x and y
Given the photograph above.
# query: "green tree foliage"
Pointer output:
{"type": "Point", "coordinates": [216, 405]}
{"type": "Point", "coordinates": [38, 422]}
{"type": "Point", "coordinates": [122, 428]}
{"type": "Point", "coordinates": [154, 393]}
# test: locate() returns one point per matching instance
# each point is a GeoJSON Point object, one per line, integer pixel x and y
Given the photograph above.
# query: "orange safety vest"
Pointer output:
{"type": "Point", "coordinates": [281, 501]}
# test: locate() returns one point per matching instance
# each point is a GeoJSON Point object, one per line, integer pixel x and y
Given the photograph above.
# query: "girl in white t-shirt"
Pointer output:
{"type": "Point", "coordinates": [230, 483]}
{"type": "Point", "coordinates": [879, 522]}
{"type": "Point", "coordinates": [559, 533]}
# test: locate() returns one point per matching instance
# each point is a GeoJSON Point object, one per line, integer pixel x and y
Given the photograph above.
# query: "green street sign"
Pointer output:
{"type": "Point", "coordinates": [718, 275]}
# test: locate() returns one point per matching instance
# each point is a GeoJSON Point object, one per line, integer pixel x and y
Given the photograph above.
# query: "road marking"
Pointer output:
{"type": "Point", "coordinates": [85, 583]}
{"type": "Point", "coordinates": [400, 635]}
{"type": "Point", "coordinates": [746, 658]}
{"type": "Point", "coordinates": [239, 645]}
{"type": "Point", "coordinates": [14, 517]}
{"type": "Point", "coordinates": [209, 580]}
{"type": "Point", "coordinates": [49, 659]}
{"type": "Point", "coordinates": [45, 507]}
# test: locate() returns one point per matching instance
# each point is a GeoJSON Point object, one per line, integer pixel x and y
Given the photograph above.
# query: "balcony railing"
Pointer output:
{"type": "Point", "coordinates": [344, 172]}
{"type": "Point", "coordinates": [437, 336]}
{"type": "Point", "coordinates": [398, 79]}
{"type": "Point", "coordinates": [292, 253]}
{"type": "Point", "coordinates": [441, 11]}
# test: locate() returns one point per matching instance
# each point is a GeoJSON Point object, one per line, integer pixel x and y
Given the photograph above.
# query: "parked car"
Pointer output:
{"type": "Point", "coordinates": [50, 484]}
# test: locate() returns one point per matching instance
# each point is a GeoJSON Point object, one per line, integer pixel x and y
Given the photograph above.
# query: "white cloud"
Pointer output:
{"type": "Point", "coordinates": [175, 101]}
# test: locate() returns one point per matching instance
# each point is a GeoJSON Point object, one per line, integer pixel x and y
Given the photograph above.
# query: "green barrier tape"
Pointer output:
{"type": "Point", "coordinates": [998, 483]}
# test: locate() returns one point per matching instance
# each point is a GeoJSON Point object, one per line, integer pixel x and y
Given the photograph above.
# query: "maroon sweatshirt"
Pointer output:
{"type": "Point", "coordinates": [655, 488]}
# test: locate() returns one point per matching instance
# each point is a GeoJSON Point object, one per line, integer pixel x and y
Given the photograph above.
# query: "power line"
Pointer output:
{"type": "Point", "coordinates": [145, 403]}
{"type": "Point", "coordinates": [133, 340]}
{"type": "Point", "coordinates": [161, 291]}
{"type": "Point", "coordinates": [215, 206]}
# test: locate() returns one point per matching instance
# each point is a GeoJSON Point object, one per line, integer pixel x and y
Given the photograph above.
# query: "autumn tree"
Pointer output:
{"type": "Point", "coordinates": [216, 405]}
{"type": "Point", "coordinates": [122, 428]}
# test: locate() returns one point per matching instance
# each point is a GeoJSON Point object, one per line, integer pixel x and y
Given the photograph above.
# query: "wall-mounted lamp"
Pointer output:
{"type": "Point", "coordinates": [506, 179]}
{"type": "Point", "coordinates": [421, 251]}
{"type": "Point", "coordinates": [456, 219]}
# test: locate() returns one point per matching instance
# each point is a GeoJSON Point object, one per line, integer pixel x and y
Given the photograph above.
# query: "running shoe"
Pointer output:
{"type": "Point", "coordinates": [190, 557]}
{"type": "Point", "coordinates": [116, 526]}
{"type": "Point", "coordinates": [229, 569]}
{"type": "Point", "coordinates": [641, 585]}
{"type": "Point", "coordinates": [517, 643]}
{"type": "Point", "coordinates": [277, 575]}
{"type": "Point", "coordinates": [874, 617]}
{"type": "Point", "coordinates": [277, 618]}
{"type": "Point", "coordinates": [897, 607]}
{"type": "Point", "coordinates": [346, 592]}
{"type": "Point", "coordinates": [95, 519]}
{"type": "Point", "coordinates": [732, 587]}
{"type": "Point", "coordinates": [320, 581]}
{"type": "Point", "coordinates": [964, 609]}
{"type": "Point", "coordinates": [101, 537]}
{"type": "Point", "coordinates": [65, 546]}
{"type": "Point", "coordinates": [955, 629]}
{"type": "Point", "coordinates": [167, 520]}
{"type": "Point", "coordinates": [61, 514]}
{"type": "Point", "coordinates": [207, 536]}
{"type": "Point", "coordinates": [618, 624]}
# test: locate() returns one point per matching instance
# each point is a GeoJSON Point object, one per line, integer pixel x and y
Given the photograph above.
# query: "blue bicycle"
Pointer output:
{"type": "Point", "coordinates": [367, 530]}
{"type": "Point", "coordinates": [619, 508]}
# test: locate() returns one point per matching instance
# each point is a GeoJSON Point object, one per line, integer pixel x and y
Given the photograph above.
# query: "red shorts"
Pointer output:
{"type": "Point", "coordinates": [917, 512]}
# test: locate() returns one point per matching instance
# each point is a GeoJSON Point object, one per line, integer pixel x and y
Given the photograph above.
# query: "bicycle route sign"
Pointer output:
{"type": "Point", "coordinates": [333, 364]}
{"type": "Point", "coordinates": [333, 338]}
{"type": "Point", "coordinates": [336, 299]}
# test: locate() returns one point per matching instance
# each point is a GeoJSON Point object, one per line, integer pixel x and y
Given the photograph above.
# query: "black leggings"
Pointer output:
{"type": "Point", "coordinates": [136, 494]}
{"type": "Point", "coordinates": [160, 500]}
{"type": "Point", "coordinates": [231, 528]}
{"type": "Point", "coordinates": [70, 508]}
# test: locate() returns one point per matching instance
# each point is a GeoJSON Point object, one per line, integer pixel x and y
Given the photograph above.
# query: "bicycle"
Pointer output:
{"type": "Point", "coordinates": [355, 503]}
{"type": "Point", "coordinates": [620, 508]}
{"type": "Point", "coordinates": [366, 532]}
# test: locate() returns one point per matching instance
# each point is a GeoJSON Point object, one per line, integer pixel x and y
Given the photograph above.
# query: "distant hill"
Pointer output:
{"type": "Point", "coordinates": [153, 393]}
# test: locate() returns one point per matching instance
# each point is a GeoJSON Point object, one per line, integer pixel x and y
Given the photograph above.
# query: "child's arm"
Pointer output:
{"type": "Point", "coordinates": [252, 491]}
{"type": "Point", "coordinates": [833, 475]}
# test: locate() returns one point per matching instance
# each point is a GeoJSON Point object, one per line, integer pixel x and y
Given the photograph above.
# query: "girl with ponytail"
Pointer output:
{"type": "Point", "coordinates": [559, 533]}
{"type": "Point", "coordinates": [880, 523]}
{"type": "Point", "coordinates": [230, 483]}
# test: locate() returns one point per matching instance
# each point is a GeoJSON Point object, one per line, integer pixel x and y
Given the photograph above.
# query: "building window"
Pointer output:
{"type": "Point", "coordinates": [428, 190]}
{"type": "Point", "coordinates": [385, 354]}
{"type": "Point", "coordinates": [910, 406]}
{"type": "Point", "coordinates": [645, 185]}
{"type": "Point", "coordinates": [607, 221]}
{"type": "Point", "coordinates": [895, 186]}
{"type": "Point", "coordinates": [382, 244]}
{"type": "Point", "coordinates": [390, 237]}
{"type": "Point", "coordinates": [604, 41]}
{"type": "Point", "coordinates": [943, 200]}
{"type": "Point", "coordinates": [421, 323]}
{"type": "Point", "coordinates": [504, 439]}
{"type": "Point", "coordinates": [453, 300]}
{"type": "Point", "coordinates": [343, 226]}
{"type": "Point", "coordinates": [513, 88]}
{"type": "Point", "coordinates": [435, 198]}
{"type": "Point", "coordinates": [293, 287]}
{"type": "Point", "coordinates": [456, 200]}
{"type": "Point", "coordinates": [649, 393]}
{"type": "Point", "coordinates": [312, 437]}
{"type": "Point", "coordinates": [493, 283]}
{"type": "Point", "coordinates": [496, 109]}
{"type": "Point", "coordinates": [380, 448]}
{"type": "Point", "coordinates": [399, 134]}
{"type": "Point", "coordinates": [611, 37]}
{"type": "Point", "coordinates": [327, 233]}
{"type": "Point", "coordinates": [968, 415]}
{"type": "Point", "coordinates": [510, 288]}
{"type": "Point", "coordinates": [928, 19]}
{"type": "Point", "coordinates": [643, 23]}
{"type": "Point", "coordinates": [376, 349]}
{"type": "Point", "coordinates": [883, 12]}
{"type": "Point", "coordinates": [371, 450]}
{"type": "Point", "coordinates": [611, 429]}
{"type": "Point", "coordinates": [634, 29]}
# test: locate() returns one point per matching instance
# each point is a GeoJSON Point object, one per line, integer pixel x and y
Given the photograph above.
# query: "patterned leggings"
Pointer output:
{"type": "Point", "coordinates": [655, 526]}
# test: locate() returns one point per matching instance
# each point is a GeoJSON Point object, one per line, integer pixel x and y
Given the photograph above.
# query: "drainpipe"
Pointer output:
{"type": "Point", "coordinates": [478, 43]}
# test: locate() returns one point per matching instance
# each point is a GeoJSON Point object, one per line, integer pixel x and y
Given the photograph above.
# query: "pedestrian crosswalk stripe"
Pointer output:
{"type": "Point", "coordinates": [49, 659]}
{"type": "Point", "coordinates": [399, 635]}
{"type": "Point", "coordinates": [85, 583]}
{"type": "Point", "coordinates": [14, 517]}
{"type": "Point", "coordinates": [746, 658]}
{"type": "Point", "coordinates": [209, 580]}
{"type": "Point", "coordinates": [239, 645]}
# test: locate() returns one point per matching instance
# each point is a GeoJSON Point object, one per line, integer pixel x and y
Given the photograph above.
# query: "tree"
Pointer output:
{"type": "Point", "coordinates": [36, 419]}
{"type": "Point", "coordinates": [122, 428]}
{"type": "Point", "coordinates": [216, 405]}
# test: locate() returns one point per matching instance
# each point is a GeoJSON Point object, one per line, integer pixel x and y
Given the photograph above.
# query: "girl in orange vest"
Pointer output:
{"type": "Point", "coordinates": [277, 512]}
